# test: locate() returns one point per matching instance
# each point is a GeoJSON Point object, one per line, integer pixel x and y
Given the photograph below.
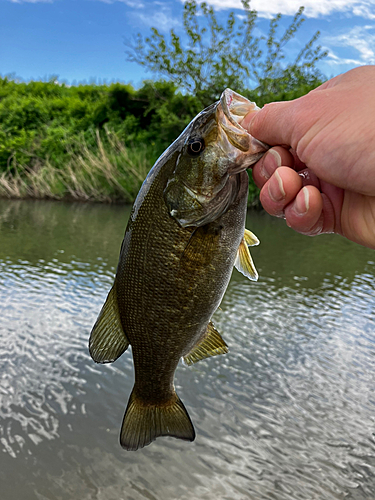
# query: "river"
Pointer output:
{"type": "Point", "coordinates": [287, 414]}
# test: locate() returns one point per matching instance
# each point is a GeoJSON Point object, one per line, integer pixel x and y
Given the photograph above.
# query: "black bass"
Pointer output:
{"type": "Point", "coordinates": [185, 233]}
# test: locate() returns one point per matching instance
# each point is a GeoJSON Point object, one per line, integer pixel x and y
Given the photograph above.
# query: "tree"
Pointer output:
{"type": "Point", "coordinates": [211, 56]}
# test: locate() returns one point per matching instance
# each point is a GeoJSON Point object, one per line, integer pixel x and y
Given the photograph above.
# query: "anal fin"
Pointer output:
{"type": "Point", "coordinates": [108, 340]}
{"type": "Point", "coordinates": [212, 344]}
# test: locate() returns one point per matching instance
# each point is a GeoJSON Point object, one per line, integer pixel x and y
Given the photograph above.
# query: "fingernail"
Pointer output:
{"type": "Point", "coordinates": [302, 202]}
{"type": "Point", "coordinates": [276, 188]}
{"type": "Point", "coordinates": [272, 160]}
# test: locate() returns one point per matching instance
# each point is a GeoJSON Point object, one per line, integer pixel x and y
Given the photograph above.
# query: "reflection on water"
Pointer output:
{"type": "Point", "coordinates": [289, 413]}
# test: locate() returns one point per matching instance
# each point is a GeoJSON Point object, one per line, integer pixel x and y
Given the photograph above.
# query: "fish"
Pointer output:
{"type": "Point", "coordinates": [185, 234]}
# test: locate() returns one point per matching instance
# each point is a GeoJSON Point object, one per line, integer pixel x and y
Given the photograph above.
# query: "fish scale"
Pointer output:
{"type": "Point", "coordinates": [185, 234]}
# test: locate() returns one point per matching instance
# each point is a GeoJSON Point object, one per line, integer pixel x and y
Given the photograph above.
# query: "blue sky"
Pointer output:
{"type": "Point", "coordinates": [83, 40]}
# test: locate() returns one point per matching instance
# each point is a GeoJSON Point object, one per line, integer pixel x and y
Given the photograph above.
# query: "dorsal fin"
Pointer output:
{"type": "Point", "coordinates": [108, 340]}
{"type": "Point", "coordinates": [212, 344]}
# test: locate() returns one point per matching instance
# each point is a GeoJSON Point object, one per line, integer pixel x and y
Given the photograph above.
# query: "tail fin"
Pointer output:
{"type": "Point", "coordinates": [142, 423]}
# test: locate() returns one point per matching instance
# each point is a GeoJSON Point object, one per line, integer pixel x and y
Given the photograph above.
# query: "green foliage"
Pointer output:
{"type": "Point", "coordinates": [216, 56]}
{"type": "Point", "coordinates": [54, 138]}
{"type": "Point", "coordinates": [48, 121]}
{"type": "Point", "coordinates": [45, 125]}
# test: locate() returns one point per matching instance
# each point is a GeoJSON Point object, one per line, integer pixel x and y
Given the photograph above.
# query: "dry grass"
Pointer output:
{"type": "Point", "coordinates": [111, 172]}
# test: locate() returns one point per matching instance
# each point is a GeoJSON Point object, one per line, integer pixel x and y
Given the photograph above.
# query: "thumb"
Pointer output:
{"type": "Point", "coordinates": [273, 124]}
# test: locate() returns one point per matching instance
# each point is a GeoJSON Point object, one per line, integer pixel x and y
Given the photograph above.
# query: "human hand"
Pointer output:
{"type": "Point", "coordinates": [323, 179]}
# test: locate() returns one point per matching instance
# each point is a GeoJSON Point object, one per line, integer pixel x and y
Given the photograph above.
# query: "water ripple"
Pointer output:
{"type": "Point", "coordinates": [288, 414]}
{"type": "Point", "coordinates": [42, 345]}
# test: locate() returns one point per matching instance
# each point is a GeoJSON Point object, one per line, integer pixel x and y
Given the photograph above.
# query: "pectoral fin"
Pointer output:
{"type": "Point", "coordinates": [108, 340]}
{"type": "Point", "coordinates": [212, 344]}
{"type": "Point", "coordinates": [244, 263]}
{"type": "Point", "coordinates": [201, 246]}
{"type": "Point", "coordinates": [250, 238]}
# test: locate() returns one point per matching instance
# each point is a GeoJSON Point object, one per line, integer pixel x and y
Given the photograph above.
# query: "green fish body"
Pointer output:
{"type": "Point", "coordinates": [185, 233]}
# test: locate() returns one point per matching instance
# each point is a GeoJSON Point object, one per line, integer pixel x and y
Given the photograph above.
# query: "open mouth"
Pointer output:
{"type": "Point", "coordinates": [231, 112]}
{"type": "Point", "coordinates": [236, 107]}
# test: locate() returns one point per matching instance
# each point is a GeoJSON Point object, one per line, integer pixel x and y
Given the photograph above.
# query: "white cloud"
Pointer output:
{"type": "Point", "coordinates": [334, 59]}
{"type": "Point", "coordinates": [161, 20]}
{"type": "Point", "coordinates": [313, 8]}
{"type": "Point", "coordinates": [365, 9]}
{"type": "Point", "coordinates": [360, 39]}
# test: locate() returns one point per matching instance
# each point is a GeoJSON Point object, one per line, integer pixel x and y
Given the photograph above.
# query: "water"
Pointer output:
{"type": "Point", "coordinates": [289, 413]}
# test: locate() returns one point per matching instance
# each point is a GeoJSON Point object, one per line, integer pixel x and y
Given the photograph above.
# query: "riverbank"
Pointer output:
{"type": "Point", "coordinates": [88, 179]}
{"type": "Point", "coordinates": [93, 142]}
{"type": "Point", "coordinates": [85, 142]}
{"type": "Point", "coordinates": [109, 172]}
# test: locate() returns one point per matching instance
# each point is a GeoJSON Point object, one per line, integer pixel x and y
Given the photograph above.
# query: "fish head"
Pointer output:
{"type": "Point", "coordinates": [213, 149]}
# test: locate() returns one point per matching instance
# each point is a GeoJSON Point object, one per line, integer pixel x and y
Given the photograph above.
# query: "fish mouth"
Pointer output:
{"type": "Point", "coordinates": [231, 111]}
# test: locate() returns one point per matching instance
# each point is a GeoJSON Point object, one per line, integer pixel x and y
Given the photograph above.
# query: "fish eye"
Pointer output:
{"type": "Point", "coordinates": [195, 147]}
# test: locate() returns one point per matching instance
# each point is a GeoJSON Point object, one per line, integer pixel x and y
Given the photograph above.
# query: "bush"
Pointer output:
{"type": "Point", "coordinates": [45, 125]}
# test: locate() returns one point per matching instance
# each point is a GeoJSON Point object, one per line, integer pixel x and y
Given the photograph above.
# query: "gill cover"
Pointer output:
{"type": "Point", "coordinates": [215, 148]}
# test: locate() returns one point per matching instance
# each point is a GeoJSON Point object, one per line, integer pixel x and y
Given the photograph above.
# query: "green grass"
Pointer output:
{"type": "Point", "coordinates": [107, 172]}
